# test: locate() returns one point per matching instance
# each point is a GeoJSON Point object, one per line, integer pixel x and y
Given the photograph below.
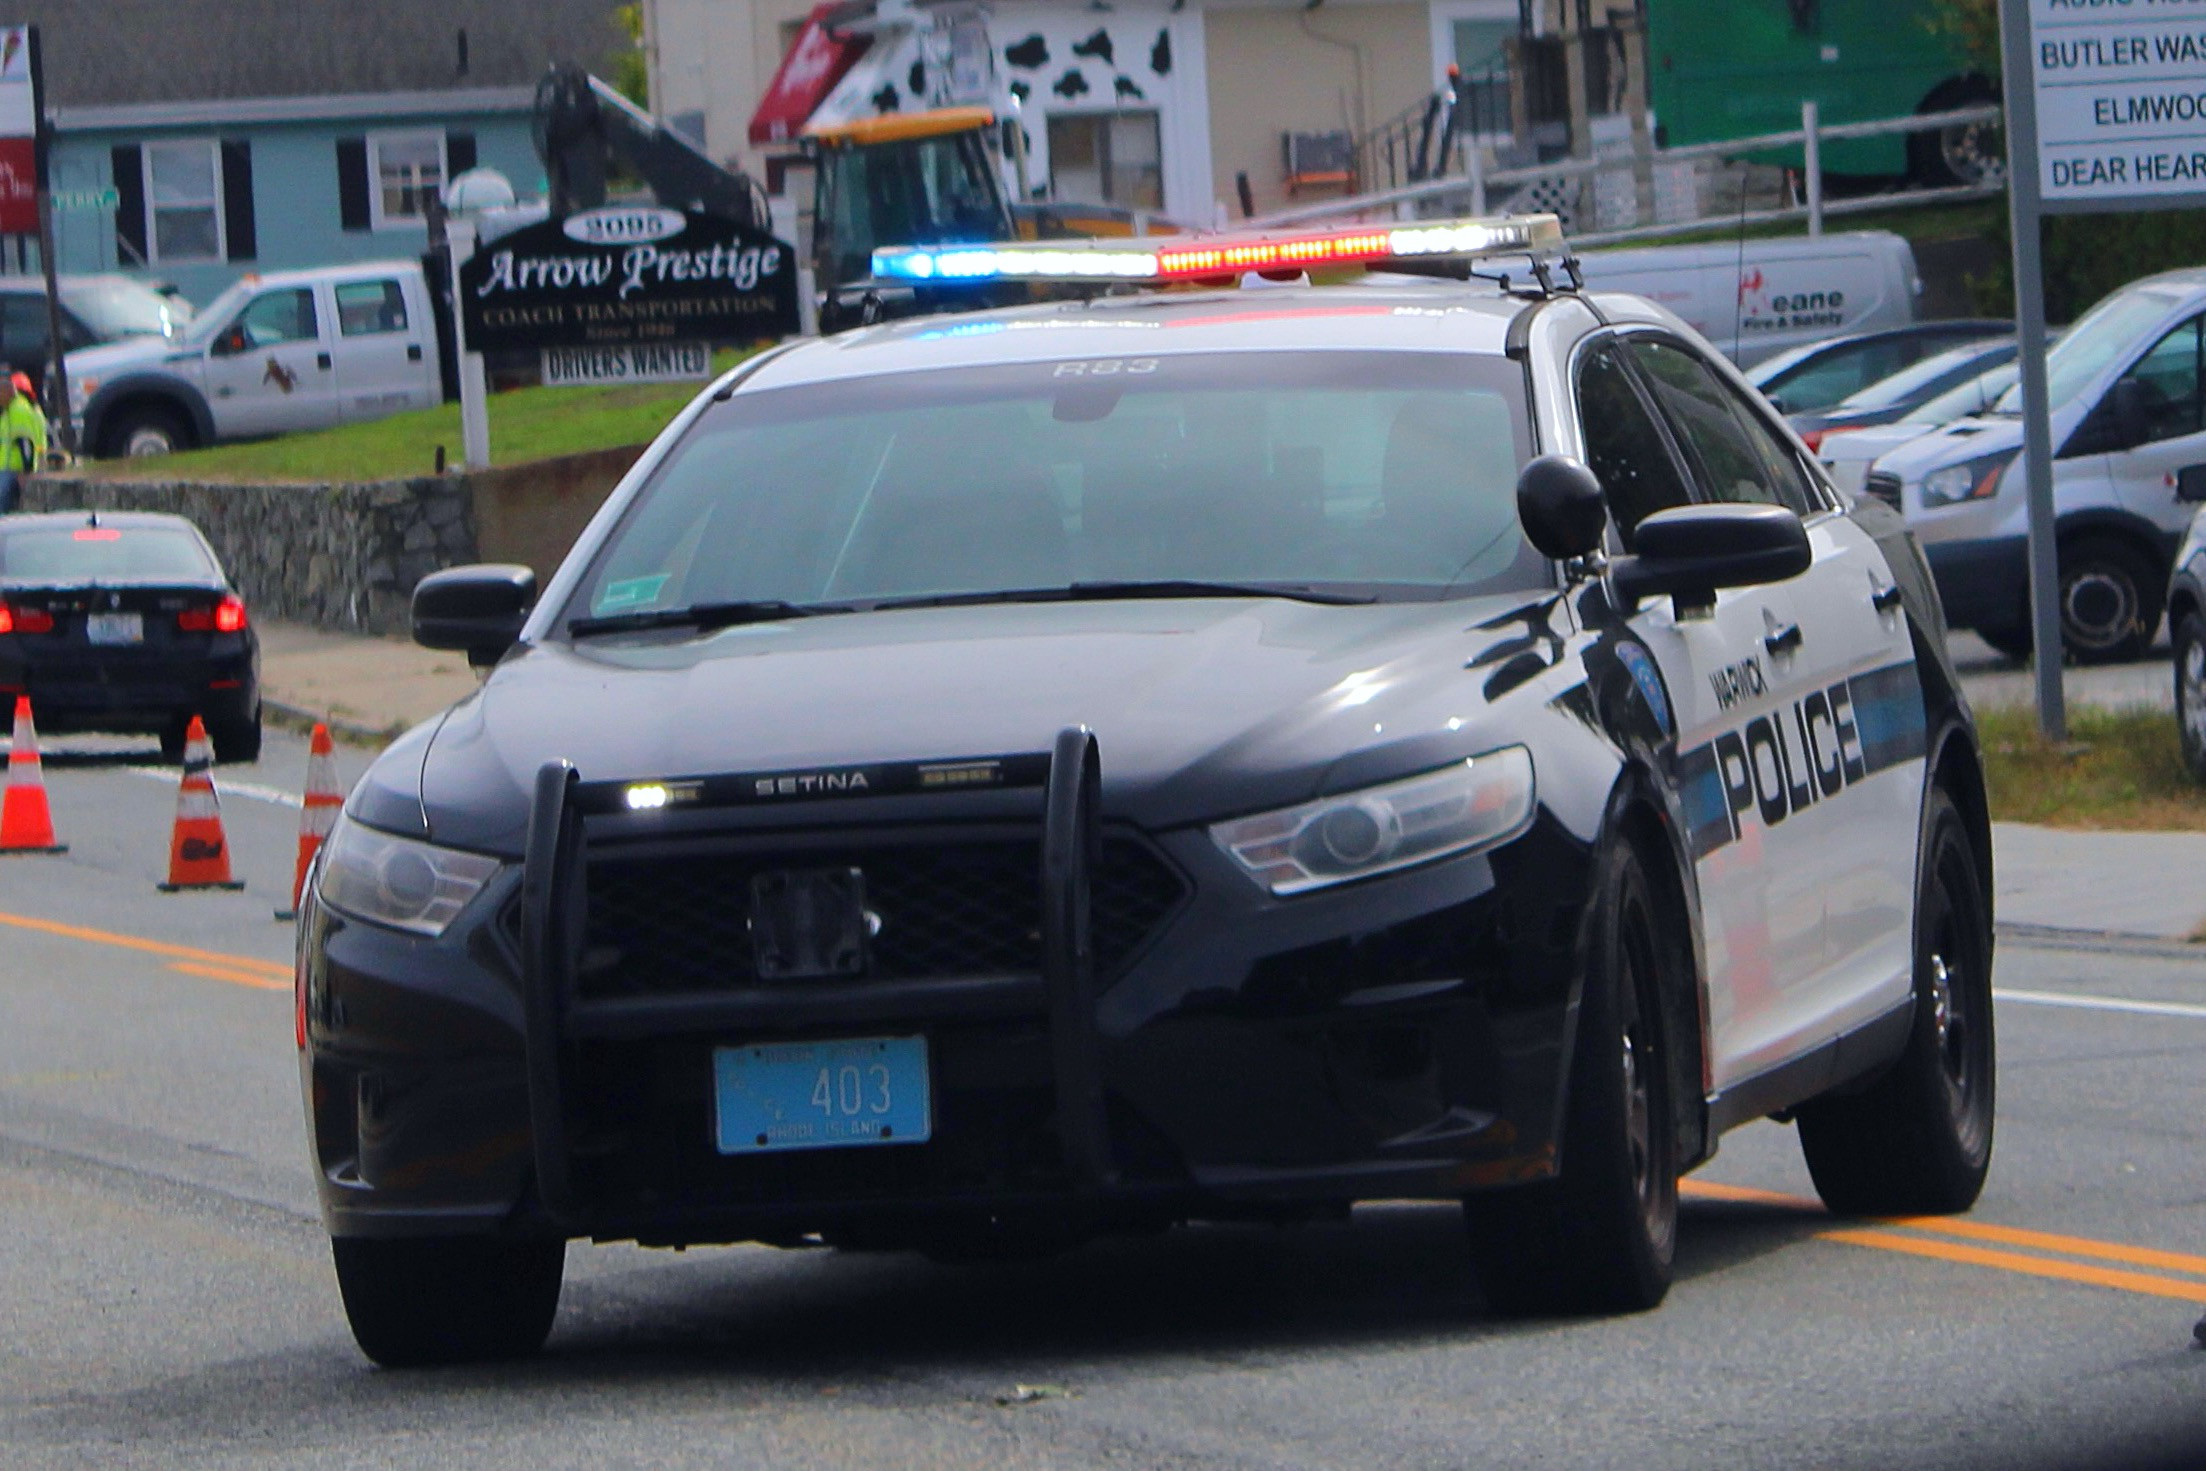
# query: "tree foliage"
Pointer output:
{"type": "Point", "coordinates": [1970, 27]}
{"type": "Point", "coordinates": [626, 69]}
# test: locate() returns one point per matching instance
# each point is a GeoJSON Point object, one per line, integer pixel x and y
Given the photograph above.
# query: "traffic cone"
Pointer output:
{"type": "Point", "coordinates": [319, 812]}
{"type": "Point", "coordinates": [26, 826]}
{"type": "Point", "coordinates": [199, 854]}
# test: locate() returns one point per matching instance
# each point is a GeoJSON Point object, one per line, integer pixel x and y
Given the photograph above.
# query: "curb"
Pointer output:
{"type": "Point", "coordinates": [2056, 937]}
{"type": "Point", "coordinates": [351, 732]}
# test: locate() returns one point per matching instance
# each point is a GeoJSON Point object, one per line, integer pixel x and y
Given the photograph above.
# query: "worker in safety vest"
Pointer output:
{"type": "Point", "coordinates": [22, 438]}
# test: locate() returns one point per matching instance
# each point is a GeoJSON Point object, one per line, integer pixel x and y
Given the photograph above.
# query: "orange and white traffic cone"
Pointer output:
{"type": "Point", "coordinates": [26, 824]}
{"type": "Point", "coordinates": [199, 854]}
{"type": "Point", "coordinates": [319, 812]}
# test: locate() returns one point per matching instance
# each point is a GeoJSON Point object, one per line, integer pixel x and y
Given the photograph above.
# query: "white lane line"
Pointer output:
{"type": "Point", "coordinates": [2100, 1003]}
{"type": "Point", "coordinates": [172, 775]}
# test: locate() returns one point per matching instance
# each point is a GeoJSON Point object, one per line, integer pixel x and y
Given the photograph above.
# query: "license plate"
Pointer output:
{"type": "Point", "coordinates": [821, 1095]}
{"type": "Point", "coordinates": [115, 628]}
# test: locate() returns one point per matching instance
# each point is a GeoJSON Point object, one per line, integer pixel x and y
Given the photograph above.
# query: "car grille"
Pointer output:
{"type": "Point", "coordinates": [1884, 485]}
{"type": "Point", "coordinates": [671, 925]}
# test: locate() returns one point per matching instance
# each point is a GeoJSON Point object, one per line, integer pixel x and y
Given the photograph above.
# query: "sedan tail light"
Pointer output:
{"type": "Point", "coordinates": [25, 620]}
{"type": "Point", "coordinates": [227, 616]}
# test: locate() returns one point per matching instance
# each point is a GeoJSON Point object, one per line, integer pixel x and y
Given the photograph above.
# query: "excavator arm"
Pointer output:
{"type": "Point", "coordinates": [583, 129]}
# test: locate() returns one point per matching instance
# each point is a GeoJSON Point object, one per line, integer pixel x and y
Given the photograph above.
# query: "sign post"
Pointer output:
{"type": "Point", "coordinates": [57, 372]}
{"type": "Point", "coordinates": [2104, 113]}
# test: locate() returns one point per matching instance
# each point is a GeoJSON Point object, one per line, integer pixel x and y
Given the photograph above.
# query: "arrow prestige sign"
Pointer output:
{"type": "Point", "coordinates": [2121, 98]}
{"type": "Point", "coordinates": [626, 276]}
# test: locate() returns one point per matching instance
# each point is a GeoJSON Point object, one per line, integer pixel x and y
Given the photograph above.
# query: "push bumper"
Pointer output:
{"type": "Point", "coordinates": [1402, 1039]}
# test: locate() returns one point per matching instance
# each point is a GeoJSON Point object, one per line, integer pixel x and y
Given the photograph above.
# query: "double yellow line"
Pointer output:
{"type": "Point", "coordinates": [1981, 1244]}
{"type": "Point", "coordinates": [215, 965]}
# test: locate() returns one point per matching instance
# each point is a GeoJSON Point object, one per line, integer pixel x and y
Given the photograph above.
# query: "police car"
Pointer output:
{"type": "Point", "coordinates": [1167, 756]}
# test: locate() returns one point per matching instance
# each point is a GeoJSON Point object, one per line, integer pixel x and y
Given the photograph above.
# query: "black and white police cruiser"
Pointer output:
{"type": "Point", "coordinates": [1169, 756]}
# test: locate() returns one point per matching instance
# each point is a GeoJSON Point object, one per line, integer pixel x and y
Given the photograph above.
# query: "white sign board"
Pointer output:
{"type": "Point", "coordinates": [669, 362]}
{"type": "Point", "coordinates": [2121, 98]}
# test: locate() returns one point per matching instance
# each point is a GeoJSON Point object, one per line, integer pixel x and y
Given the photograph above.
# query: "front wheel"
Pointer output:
{"type": "Point", "coordinates": [138, 433]}
{"type": "Point", "coordinates": [1919, 1140]}
{"type": "Point", "coordinates": [2190, 692]}
{"type": "Point", "coordinates": [1602, 1236]}
{"type": "Point", "coordinates": [448, 1299]}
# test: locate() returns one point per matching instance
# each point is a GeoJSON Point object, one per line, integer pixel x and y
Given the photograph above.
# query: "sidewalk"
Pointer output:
{"type": "Point", "coordinates": [2139, 885]}
{"type": "Point", "coordinates": [368, 689]}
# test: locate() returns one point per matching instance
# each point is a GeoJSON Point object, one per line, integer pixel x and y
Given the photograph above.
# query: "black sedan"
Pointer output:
{"type": "Point", "coordinates": [114, 621]}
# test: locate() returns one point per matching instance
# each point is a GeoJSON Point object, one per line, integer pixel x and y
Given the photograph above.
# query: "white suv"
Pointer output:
{"type": "Point", "coordinates": [2129, 424]}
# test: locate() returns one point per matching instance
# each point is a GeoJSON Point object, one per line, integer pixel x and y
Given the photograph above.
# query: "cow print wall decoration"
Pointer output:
{"type": "Point", "coordinates": [1031, 54]}
{"type": "Point", "coordinates": [1160, 55]}
{"type": "Point", "coordinates": [1127, 87]}
{"type": "Point", "coordinates": [1070, 85]}
{"type": "Point", "coordinates": [886, 99]}
{"type": "Point", "coordinates": [918, 79]}
{"type": "Point", "coordinates": [1098, 46]}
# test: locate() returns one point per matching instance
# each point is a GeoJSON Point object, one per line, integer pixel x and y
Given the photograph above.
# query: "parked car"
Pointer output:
{"type": "Point", "coordinates": [1910, 388]}
{"type": "Point", "coordinates": [94, 310]}
{"type": "Point", "coordinates": [2129, 426]}
{"type": "Point", "coordinates": [2187, 629]}
{"type": "Point", "coordinates": [1760, 297]}
{"type": "Point", "coordinates": [1818, 375]}
{"type": "Point", "coordinates": [1850, 454]}
{"type": "Point", "coordinates": [272, 355]}
{"type": "Point", "coordinates": [115, 621]}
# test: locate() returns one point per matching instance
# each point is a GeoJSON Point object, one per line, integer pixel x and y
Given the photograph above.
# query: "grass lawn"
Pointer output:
{"type": "Point", "coordinates": [525, 424]}
{"type": "Point", "coordinates": [2122, 770]}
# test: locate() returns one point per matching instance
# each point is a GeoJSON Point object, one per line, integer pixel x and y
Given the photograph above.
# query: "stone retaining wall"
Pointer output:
{"type": "Point", "coordinates": [347, 556]}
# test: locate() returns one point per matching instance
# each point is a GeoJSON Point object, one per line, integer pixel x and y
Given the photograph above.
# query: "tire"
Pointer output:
{"type": "Point", "coordinates": [448, 1299]}
{"type": "Point", "coordinates": [2190, 692]}
{"type": "Point", "coordinates": [1973, 153]}
{"type": "Point", "coordinates": [2014, 643]}
{"type": "Point", "coordinates": [236, 741]}
{"type": "Point", "coordinates": [1918, 1141]}
{"type": "Point", "coordinates": [2110, 597]}
{"type": "Point", "coordinates": [174, 736]}
{"type": "Point", "coordinates": [143, 430]}
{"type": "Point", "coordinates": [1602, 1236]}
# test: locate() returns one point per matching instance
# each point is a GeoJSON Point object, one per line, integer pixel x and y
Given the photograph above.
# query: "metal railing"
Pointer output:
{"type": "Point", "coordinates": [1476, 185]}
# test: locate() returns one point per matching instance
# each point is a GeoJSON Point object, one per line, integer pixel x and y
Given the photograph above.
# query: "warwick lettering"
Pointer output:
{"type": "Point", "coordinates": [638, 267]}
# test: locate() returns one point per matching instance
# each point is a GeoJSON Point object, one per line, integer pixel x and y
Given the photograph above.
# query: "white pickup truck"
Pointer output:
{"type": "Point", "coordinates": [272, 355]}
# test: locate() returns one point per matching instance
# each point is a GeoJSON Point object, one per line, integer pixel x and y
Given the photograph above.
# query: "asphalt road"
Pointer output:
{"type": "Point", "coordinates": [167, 1299]}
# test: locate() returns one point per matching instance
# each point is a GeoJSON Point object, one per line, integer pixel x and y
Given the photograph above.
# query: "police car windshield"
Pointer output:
{"type": "Point", "coordinates": [1393, 474]}
{"type": "Point", "coordinates": [2114, 328]}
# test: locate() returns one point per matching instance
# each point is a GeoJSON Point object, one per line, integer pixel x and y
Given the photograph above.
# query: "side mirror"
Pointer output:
{"type": "Point", "coordinates": [2190, 484]}
{"type": "Point", "coordinates": [1560, 504]}
{"type": "Point", "coordinates": [477, 609]}
{"type": "Point", "coordinates": [1688, 552]}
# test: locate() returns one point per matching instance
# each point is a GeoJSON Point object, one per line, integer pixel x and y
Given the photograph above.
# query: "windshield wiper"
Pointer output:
{"type": "Point", "coordinates": [701, 616]}
{"type": "Point", "coordinates": [1102, 592]}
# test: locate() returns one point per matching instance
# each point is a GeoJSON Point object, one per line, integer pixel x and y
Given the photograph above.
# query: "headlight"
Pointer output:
{"type": "Point", "coordinates": [1474, 804]}
{"type": "Point", "coordinates": [396, 881]}
{"type": "Point", "coordinates": [1974, 480]}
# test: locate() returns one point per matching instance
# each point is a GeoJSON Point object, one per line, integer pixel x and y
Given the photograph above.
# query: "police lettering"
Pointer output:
{"type": "Point", "coordinates": [1790, 759]}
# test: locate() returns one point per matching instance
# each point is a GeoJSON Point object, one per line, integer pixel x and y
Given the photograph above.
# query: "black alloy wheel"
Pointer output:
{"type": "Point", "coordinates": [1602, 1236]}
{"type": "Point", "coordinates": [1918, 1141]}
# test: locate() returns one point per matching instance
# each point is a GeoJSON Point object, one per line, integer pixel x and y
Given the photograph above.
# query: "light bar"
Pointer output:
{"type": "Point", "coordinates": [1180, 258]}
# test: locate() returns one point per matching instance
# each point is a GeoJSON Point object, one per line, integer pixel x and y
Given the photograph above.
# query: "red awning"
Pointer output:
{"type": "Point", "coordinates": [806, 75]}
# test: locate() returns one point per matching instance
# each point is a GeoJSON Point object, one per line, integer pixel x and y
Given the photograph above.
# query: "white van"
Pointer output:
{"type": "Point", "coordinates": [1759, 297]}
{"type": "Point", "coordinates": [2129, 467]}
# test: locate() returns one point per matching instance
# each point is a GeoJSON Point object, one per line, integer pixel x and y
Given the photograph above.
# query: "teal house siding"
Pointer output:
{"type": "Point", "coordinates": [290, 179]}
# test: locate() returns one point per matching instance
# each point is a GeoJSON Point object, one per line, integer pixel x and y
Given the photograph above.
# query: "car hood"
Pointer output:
{"type": "Point", "coordinates": [1963, 439]}
{"type": "Point", "coordinates": [1200, 707]}
{"type": "Point", "coordinates": [111, 359]}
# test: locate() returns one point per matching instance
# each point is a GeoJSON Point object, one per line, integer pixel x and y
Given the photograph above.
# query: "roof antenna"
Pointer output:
{"type": "Point", "coordinates": [92, 518]}
{"type": "Point", "coordinates": [1738, 283]}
